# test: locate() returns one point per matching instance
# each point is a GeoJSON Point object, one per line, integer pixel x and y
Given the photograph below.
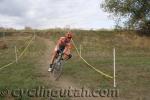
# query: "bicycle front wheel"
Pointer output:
{"type": "Point", "coordinates": [57, 71]}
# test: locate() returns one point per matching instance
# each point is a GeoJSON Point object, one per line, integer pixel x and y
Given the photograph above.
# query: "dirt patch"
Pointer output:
{"type": "Point", "coordinates": [3, 45]}
{"type": "Point", "coordinates": [63, 82]}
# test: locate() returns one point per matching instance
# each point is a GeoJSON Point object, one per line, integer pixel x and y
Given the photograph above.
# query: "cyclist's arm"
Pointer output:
{"type": "Point", "coordinates": [60, 41]}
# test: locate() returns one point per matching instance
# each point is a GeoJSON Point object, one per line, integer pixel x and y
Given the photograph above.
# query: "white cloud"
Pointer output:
{"type": "Point", "coordinates": [51, 13]}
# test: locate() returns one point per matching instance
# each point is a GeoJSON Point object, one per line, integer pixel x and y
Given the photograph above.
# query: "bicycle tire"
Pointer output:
{"type": "Point", "coordinates": [57, 70]}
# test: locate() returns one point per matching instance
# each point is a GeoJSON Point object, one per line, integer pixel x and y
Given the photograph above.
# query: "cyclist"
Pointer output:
{"type": "Point", "coordinates": [63, 45]}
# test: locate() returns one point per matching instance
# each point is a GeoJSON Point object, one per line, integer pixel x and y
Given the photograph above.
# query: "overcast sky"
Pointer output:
{"type": "Point", "coordinates": [53, 13]}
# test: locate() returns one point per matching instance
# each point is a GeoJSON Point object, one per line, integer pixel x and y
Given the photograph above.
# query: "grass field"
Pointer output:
{"type": "Point", "coordinates": [21, 74]}
{"type": "Point", "coordinates": [132, 62]}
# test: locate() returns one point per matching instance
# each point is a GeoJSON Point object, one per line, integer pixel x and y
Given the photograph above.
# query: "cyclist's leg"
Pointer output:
{"type": "Point", "coordinates": [67, 54]}
{"type": "Point", "coordinates": [53, 57]}
{"type": "Point", "coordinates": [54, 54]}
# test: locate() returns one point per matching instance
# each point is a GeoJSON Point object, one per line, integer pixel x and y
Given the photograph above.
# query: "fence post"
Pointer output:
{"type": "Point", "coordinates": [16, 54]}
{"type": "Point", "coordinates": [114, 54]}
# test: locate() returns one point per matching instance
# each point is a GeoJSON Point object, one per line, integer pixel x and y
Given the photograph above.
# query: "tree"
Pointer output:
{"type": "Point", "coordinates": [136, 13]}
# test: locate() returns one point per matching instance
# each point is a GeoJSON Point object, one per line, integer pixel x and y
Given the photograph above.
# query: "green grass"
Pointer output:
{"type": "Point", "coordinates": [21, 74]}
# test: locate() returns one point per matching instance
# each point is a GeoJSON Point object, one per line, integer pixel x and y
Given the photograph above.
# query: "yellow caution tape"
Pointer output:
{"type": "Point", "coordinates": [19, 55]}
{"type": "Point", "coordinates": [90, 64]}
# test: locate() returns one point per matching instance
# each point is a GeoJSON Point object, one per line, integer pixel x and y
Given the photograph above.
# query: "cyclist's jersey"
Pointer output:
{"type": "Point", "coordinates": [63, 44]}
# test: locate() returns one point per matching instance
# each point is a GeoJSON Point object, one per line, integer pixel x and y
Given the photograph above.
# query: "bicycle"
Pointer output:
{"type": "Point", "coordinates": [57, 66]}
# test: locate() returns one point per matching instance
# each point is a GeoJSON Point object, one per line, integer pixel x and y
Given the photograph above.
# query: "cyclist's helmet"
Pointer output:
{"type": "Point", "coordinates": [69, 34]}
